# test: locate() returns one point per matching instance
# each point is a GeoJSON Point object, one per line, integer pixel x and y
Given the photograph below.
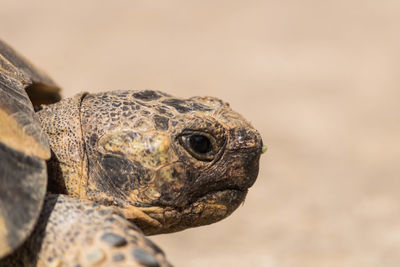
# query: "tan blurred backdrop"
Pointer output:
{"type": "Point", "coordinates": [319, 79]}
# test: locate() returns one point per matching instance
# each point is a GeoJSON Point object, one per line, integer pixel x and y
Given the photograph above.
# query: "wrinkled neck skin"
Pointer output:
{"type": "Point", "coordinates": [132, 150]}
{"type": "Point", "coordinates": [66, 169]}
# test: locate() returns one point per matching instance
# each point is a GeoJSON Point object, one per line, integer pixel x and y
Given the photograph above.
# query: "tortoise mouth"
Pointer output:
{"type": "Point", "coordinates": [214, 190]}
{"type": "Point", "coordinates": [208, 208]}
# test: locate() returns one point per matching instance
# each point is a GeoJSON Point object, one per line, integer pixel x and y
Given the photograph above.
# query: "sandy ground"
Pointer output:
{"type": "Point", "coordinates": [319, 79]}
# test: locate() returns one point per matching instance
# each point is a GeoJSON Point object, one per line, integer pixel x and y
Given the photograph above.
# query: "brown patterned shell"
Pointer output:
{"type": "Point", "coordinates": [23, 146]}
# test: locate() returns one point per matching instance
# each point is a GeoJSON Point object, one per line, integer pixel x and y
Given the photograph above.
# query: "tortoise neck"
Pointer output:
{"type": "Point", "coordinates": [67, 167]}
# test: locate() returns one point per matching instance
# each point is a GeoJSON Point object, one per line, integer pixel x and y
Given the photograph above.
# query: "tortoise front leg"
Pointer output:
{"type": "Point", "coordinates": [74, 232]}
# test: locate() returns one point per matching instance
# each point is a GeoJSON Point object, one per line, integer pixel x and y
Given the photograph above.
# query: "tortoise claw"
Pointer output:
{"type": "Point", "coordinates": [135, 213]}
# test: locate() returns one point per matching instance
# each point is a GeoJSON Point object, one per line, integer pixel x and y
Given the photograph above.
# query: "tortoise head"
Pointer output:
{"type": "Point", "coordinates": [184, 162]}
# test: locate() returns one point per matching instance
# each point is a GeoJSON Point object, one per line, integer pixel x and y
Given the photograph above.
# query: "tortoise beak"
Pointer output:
{"type": "Point", "coordinates": [246, 148]}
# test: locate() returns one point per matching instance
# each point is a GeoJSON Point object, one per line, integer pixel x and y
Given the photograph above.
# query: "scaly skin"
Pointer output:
{"type": "Point", "coordinates": [74, 232]}
{"type": "Point", "coordinates": [130, 149]}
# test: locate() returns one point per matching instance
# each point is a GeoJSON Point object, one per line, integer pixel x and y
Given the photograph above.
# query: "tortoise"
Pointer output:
{"type": "Point", "coordinates": [83, 180]}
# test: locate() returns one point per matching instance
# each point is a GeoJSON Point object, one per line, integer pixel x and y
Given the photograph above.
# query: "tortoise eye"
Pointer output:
{"type": "Point", "coordinates": [200, 145]}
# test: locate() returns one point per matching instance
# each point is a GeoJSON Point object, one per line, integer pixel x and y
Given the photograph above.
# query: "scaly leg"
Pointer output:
{"type": "Point", "coordinates": [74, 232]}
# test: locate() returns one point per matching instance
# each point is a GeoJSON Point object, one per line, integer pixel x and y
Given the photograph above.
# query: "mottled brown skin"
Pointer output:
{"type": "Point", "coordinates": [75, 232]}
{"type": "Point", "coordinates": [123, 164]}
{"type": "Point", "coordinates": [130, 149]}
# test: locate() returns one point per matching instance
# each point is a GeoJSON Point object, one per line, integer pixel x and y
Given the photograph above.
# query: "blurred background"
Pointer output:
{"type": "Point", "coordinates": [319, 79]}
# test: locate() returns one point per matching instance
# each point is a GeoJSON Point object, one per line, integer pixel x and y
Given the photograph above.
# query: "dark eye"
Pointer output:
{"type": "Point", "coordinates": [200, 145]}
